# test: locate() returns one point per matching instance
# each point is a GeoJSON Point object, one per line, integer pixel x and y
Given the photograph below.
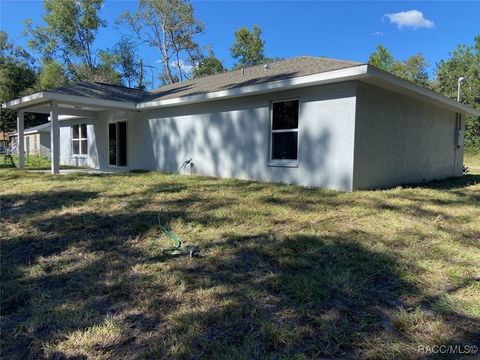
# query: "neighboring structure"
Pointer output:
{"type": "Point", "coordinates": [4, 141]}
{"type": "Point", "coordinates": [36, 140]}
{"type": "Point", "coordinates": [307, 121]}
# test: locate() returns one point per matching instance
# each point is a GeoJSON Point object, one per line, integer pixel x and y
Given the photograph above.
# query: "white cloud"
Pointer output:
{"type": "Point", "coordinates": [378, 33]}
{"type": "Point", "coordinates": [187, 68]}
{"type": "Point", "coordinates": [413, 19]}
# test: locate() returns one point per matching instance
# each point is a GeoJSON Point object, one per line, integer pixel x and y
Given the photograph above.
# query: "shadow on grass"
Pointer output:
{"type": "Point", "coordinates": [13, 205]}
{"type": "Point", "coordinates": [260, 295]}
{"type": "Point", "coordinates": [301, 295]}
{"type": "Point", "coordinates": [453, 183]}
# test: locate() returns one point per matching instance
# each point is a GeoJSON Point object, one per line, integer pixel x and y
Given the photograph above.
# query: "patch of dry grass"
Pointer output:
{"type": "Point", "coordinates": [284, 271]}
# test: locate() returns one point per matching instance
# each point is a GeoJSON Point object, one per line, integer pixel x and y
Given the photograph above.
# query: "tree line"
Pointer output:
{"type": "Point", "coordinates": [64, 45]}
{"type": "Point", "coordinates": [65, 49]}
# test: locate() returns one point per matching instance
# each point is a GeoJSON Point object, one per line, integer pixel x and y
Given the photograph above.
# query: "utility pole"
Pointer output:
{"type": "Point", "coordinates": [140, 84]}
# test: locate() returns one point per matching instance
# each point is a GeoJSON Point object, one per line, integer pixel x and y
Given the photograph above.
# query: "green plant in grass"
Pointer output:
{"type": "Point", "coordinates": [31, 161]}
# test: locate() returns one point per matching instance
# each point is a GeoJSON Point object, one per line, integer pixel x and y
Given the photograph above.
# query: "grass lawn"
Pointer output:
{"type": "Point", "coordinates": [472, 160]}
{"type": "Point", "coordinates": [31, 162]}
{"type": "Point", "coordinates": [283, 271]}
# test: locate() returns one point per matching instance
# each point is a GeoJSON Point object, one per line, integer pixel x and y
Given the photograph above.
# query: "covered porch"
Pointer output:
{"type": "Point", "coordinates": [78, 101]}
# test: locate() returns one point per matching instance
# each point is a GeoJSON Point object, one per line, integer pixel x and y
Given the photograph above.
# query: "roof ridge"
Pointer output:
{"type": "Point", "coordinates": [95, 82]}
{"type": "Point", "coordinates": [114, 85]}
{"type": "Point", "coordinates": [326, 58]}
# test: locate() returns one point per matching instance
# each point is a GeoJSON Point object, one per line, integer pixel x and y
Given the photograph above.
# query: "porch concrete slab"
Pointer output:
{"type": "Point", "coordinates": [81, 171]}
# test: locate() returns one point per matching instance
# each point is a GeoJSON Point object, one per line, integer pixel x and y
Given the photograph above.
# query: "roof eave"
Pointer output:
{"type": "Point", "coordinates": [24, 101]}
{"type": "Point", "coordinates": [357, 72]}
{"type": "Point", "coordinates": [420, 92]}
{"type": "Point", "coordinates": [351, 73]}
{"type": "Point", "coordinates": [30, 100]}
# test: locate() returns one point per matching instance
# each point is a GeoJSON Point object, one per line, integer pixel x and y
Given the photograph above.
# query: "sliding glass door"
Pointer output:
{"type": "Point", "coordinates": [117, 143]}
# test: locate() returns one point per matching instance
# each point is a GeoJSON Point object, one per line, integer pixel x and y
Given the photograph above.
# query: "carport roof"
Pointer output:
{"type": "Point", "coordinates": [102, 91]}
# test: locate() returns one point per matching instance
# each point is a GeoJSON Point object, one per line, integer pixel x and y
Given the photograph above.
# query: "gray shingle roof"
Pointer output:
{"type": "Point", "coordinates": [40, 128]}
{"type": "Point", "coordinates": [45, 127]}
{"type": "Point", "coordinates": [102, 91]}
{"type": "Point", "coordinates": [278, 70]}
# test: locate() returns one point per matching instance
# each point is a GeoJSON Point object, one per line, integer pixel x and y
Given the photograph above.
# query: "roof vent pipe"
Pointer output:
{"type": "Point", "coordinates": [243, 71]}
{"type": "Point", "coordinates": [266, 67]}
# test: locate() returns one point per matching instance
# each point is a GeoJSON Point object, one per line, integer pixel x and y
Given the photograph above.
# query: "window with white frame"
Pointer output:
{"type": "Point", "coordinates": [79, 139]}
{"type": "Point", "coordinates": [284, 127]}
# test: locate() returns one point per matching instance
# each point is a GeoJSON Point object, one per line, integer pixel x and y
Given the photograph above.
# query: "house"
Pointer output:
{"type": "Point", "coordinates": [4, 141]}
{"type": "Point", "coordinates": [36, 140]}
{"type": "Point", "coordinates": [307, 121]}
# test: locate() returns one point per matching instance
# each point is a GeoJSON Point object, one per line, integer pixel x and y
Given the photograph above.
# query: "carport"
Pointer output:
{"type": "Point", "coordinates": [79, 100]}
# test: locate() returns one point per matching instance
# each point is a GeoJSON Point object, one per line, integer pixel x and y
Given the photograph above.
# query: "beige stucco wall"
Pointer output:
{"type": "Point", "coordinates": [32, 144]}
{"type": "Point", "coordinates": [399, 139]}
{"type": "Point", "coordinates": [37, 143]}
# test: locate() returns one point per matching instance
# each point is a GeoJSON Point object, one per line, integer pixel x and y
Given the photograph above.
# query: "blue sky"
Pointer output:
{"type": "Point", "coordinates": [337, 29]}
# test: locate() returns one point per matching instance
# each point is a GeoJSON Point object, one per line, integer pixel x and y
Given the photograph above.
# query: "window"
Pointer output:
{"type": "Point", "coordinates": [284, 137]}
{"type": "Point", "coordinates": [79, 139]}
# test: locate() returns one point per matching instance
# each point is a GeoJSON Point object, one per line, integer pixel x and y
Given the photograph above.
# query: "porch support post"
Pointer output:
{"type": "Point", "coordinates": [54, 138]}
{"type": "Point", "coordinates": [20, 140]}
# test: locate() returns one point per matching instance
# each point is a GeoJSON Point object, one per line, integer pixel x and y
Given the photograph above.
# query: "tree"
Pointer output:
{"type": "Point", "coordinates": [382, 59]}
{"type": "Point", "coordinates": [169, 26]}
{"type": "Point", "coordinates": [463, 61]}
{"type": "Point", "coordinates": [414, 68]}
{"type": "Point", "coordinates": [17, 77]}
{"type": "Point", "coordinates": [51, 75]}
{"type": "Point", "coordinates": [127, 60]}
{"type": "Point", "coordinates": [106, 70]}
{"type": "Point", "coordinates": [209, 65]}
{"type": "Point", "coordinates": [68, 35]}
{"type": "Point", "coordinates": [248, 47]}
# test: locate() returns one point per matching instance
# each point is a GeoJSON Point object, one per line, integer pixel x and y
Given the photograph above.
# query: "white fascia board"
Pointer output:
{"type": "Point", "coordinates": [69, 99]}
{"type": "Point", "coordinates": [421, 91]}
{"type": "Point", "coordinates": [72, 117]}
{"type": "Point", "coordinates": [279, 85]}
{"type": "Point", "coordinates": [25, 100]}
{"type": "Point", "coordinates": [29, 132]}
